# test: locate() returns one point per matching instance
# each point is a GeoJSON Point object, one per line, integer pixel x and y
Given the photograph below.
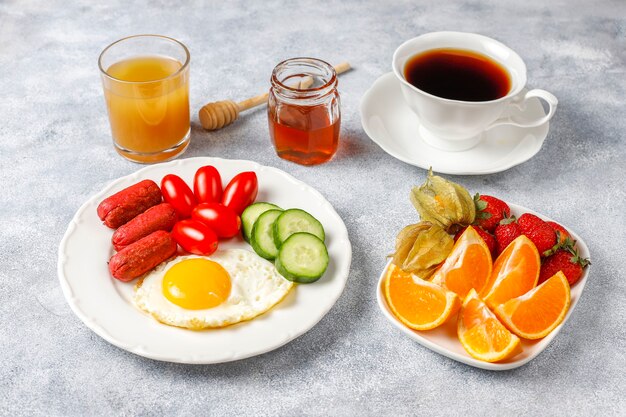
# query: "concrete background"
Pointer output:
{"type": "Point", "coordinates": [56, 151]}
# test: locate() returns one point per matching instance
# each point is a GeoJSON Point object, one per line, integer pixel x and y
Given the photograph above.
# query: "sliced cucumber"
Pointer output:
{"type": "Point", "coordinates": [294, 221]}
{"type": "Point", "coordinates": [262, 236]}
{"type": "Point", "coordinates": [303, 258]}
{"type": "Point", "coordinates": [250, 214]}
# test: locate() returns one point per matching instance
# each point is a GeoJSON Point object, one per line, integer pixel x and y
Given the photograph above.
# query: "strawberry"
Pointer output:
{"type": "Point", "coordinates": [565, 260]}
{"type": "Point", "coordinates": [490, 241]}
{"type": "Point", "coordinates": [506, 232]}
{"type": "Point", "coordinates": [490, 211]}
{"type": "Point", "coordinates": [561, 232]}
{"type": "Point", "coordinates": [538, 231]}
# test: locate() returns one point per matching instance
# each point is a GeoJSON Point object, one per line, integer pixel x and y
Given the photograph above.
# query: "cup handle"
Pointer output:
{"type": "Point", "coordinates": [520, 102]}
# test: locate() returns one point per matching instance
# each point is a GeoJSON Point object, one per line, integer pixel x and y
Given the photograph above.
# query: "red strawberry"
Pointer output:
{"type": "Point", "coordinates": [506, 232]}
{"type": "Point", "coordinates": [490, 241]}
{"type": "Point", "coordinates": [562, 232]}
{"type": "Point", "coordinates": [489, 211]}
{"type": "Point", "coordinates": [538, 231]}
{"type": "Point", "coordinates": [565, 260]}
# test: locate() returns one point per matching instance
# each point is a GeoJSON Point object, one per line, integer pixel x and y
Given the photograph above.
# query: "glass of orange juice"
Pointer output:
{"type": "Point", "coordinates": [146, 87]}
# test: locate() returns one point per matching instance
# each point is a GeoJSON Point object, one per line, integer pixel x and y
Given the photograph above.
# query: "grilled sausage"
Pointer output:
{"type": "Point", "coordinates": [124, 205]}
{"type": "Point", "coordinates": [140, 257]}
{"type": "Point", "coordinates": [159, 217]}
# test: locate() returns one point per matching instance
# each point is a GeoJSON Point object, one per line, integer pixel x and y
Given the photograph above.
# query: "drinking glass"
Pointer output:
{"type": "Point", "coordinates": [146, 86]}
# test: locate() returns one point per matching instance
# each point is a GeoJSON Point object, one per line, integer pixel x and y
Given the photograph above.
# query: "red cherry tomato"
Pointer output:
{"type": "Point", "coordinates": [224, 222]}
{"type": "Point", "coordinates": [240, 191]}
{"type": "Point", "coordinates": [178, 194]}
{"type": "Point", "coordinates": [195, 237]}
{"type": "Point", "coordinates": [207, 185]}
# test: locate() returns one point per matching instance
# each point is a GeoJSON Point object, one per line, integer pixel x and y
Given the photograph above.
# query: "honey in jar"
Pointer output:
{"type": "Point", "coordinates": [304, 111]}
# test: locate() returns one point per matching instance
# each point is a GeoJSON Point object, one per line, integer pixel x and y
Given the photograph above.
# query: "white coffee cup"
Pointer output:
{"type": "Point", "coordinates": [455, 125]}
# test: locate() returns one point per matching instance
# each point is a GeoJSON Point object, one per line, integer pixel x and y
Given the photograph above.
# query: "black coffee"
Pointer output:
{"type": "Point", "coordinates": [458, 74]}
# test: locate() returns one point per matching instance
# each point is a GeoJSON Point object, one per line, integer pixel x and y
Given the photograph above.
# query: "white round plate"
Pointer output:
{"type": "Point", "coordinates": [104, 304]}
{"type": "Point", "coordinates": [391, 124]}
{"type": "Point", "coordinates": [444, 340]}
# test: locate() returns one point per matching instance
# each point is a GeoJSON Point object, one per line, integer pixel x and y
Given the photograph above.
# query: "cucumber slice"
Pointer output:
{"type": "Point", "coordinates": [262, 236]}
{"type": "Point", "coordinates": [302, 258]}
{"type": "Point", "coordinates": [293, 221]}
{"type": "Point", "coordinates": [250, 214]}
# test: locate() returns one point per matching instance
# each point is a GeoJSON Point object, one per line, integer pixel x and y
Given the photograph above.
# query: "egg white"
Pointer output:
{"type": "Point", "coordinates": [256, 287]}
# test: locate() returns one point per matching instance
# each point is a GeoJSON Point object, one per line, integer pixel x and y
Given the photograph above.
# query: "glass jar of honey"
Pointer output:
{"type": "Point", "coordinates": [303, 111]}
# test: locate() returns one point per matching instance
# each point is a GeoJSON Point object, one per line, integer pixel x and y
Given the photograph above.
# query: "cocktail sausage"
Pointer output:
{"type": "Point", "coordinates": [124, 205]}
{"type": "Point", "coordinates": [159, 217]}
{"type": "Point", "coordinates": [140, 257]}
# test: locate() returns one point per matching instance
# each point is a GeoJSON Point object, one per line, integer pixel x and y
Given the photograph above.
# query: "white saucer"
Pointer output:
{"type": "Point", "coordinates": [391, 124]}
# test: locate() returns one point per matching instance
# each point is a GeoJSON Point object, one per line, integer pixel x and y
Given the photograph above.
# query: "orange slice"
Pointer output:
{"type": "Point", "coordinates": [468, 265]}
{"type": "Point", "coordinates": [481, 334]}
{"type": "Point", "coordinates": [515, 272]}
{"type": "Point", "coordinates": [535, 314]}
{"type": "Point", "coordinates": [417, 303]}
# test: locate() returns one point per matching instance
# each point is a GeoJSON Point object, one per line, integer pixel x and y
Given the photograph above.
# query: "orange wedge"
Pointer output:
{"type": "Point", "coordinates": [515, 272]}
{"type": "Point", "coordinates": [468, 265]}
{"type": "Point", "coordinates": [535, 314]}
{"type": "Point", "coordinates": [417, 303]}
{"type": "Point", "coordinates": [481, 334]}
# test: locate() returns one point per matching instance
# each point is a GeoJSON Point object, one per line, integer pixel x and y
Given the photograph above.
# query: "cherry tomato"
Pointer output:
{"type": "Point", "coordinates": [178, 194]}
{"type": "Point", "coordinates": [195, 237]}
{"type": "Point", "coordinates": [224, 222]}
{"type": "Point", "coordinates": [240, 191]}
{"type": "Point", "coordinates": [207, 185]}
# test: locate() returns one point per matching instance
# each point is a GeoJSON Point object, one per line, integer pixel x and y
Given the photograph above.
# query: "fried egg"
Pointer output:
{"type": "Point", "coordinates": [199, 292]}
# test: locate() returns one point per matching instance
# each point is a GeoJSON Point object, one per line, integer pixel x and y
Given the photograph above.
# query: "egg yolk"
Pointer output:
{"type": "Point", "coordinates": [196, 284]}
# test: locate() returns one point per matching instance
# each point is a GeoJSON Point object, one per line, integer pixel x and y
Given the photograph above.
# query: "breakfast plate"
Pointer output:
{"type": "Point", "coordinates": [393, 126]}
{"type": "Point", "coordinates": [105, 304]}
{"type": "Point", "coordinates": [444, 341]}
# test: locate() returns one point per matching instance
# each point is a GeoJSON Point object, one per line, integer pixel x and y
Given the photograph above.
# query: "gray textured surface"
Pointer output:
{"type": "Point", "coordinates": [55, 152]}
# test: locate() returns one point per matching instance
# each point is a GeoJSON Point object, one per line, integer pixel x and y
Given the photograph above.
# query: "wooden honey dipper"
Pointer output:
{"type": "Point", "coordinates": [218, 114]}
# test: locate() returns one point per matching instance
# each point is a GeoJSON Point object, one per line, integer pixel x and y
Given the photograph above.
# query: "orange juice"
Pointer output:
{"type": "Point", "coordinates": [148, 102]}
